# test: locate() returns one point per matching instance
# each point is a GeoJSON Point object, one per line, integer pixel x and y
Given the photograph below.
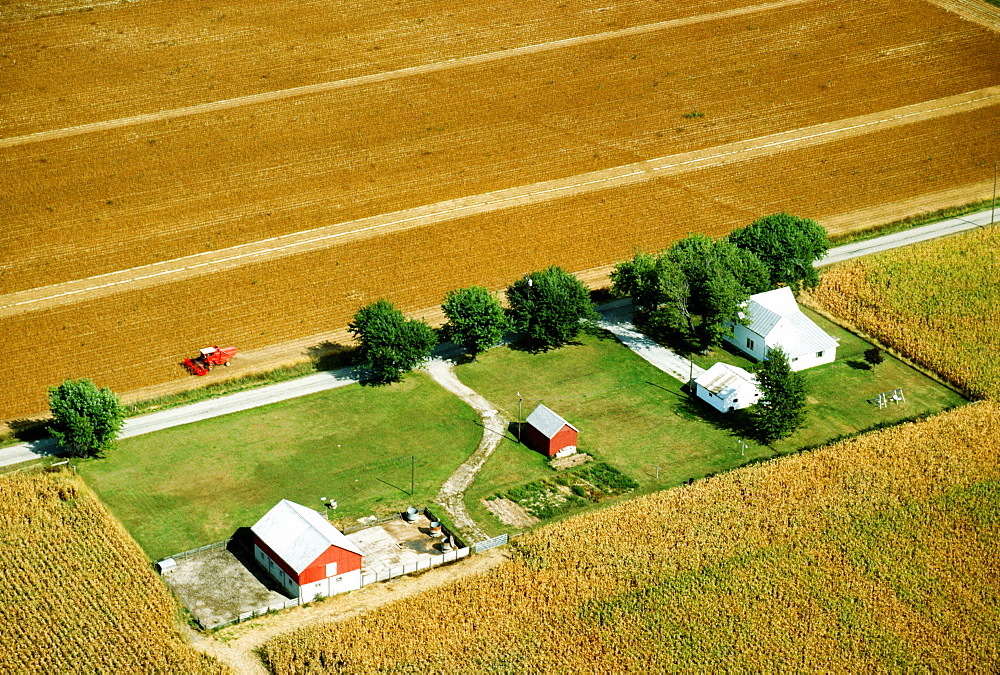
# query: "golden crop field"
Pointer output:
{"type": "Point", "coordinates": [875, 554]}
{"type": "Point", "coordinates": [76, 593]}
{"type": "Point", "coordinates": [937, 303]}
{"type": "Point", "coordinates": [79, 203]}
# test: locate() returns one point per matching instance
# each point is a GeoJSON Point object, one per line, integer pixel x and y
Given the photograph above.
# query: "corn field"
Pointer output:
{"type": "Point", "coordinates": [76, 593]}
{"type": "Point", "coordinates": [937, 303]}
{"type": "Point", "coordinates": [877, 553]}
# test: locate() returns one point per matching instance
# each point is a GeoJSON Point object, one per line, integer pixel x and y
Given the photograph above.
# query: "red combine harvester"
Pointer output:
{"type": "Point", "coordinates": [210, 358]}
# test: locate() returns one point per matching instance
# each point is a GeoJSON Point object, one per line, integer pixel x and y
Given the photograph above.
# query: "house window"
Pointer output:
{"type": "Point", "coordinates": [819, 355]}
{"type": "Point", "coordinates": [331, 569]}
{"type": "Point", "coordinates": [749, 343]}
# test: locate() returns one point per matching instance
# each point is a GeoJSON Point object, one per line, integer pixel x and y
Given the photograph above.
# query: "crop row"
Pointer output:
{"type": "Point", "coordinates": [98, 65]}
{"type": "Point", "coordinates": [859, 556]}
{"type": "Point", "coordinates": [115, 199]}
{"type": "Point", "coordinates": [936, 302]}
{"type": "Point", "coordinates": [76, 593]}
{"type": "Point", "coordinates": [138, 338]}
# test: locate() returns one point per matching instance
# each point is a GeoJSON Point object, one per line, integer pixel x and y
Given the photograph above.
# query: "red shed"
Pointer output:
{"type": "Point", "coordinates": [307, 555]}
{"type": "Point", "coordinates": [549, 434]}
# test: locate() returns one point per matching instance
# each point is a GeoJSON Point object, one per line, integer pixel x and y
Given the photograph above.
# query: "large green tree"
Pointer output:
{"type": "Point", "coordinates": [696, 277]}
{"type": "Point", "coordinates": [550, 306]}
{"type": "Point", "coordinates": [475, 319]}
{"type": "Point", "coordinates": [390, 344]}
{"type": "Point", "coordinates": [85, 420]}
{"type": "Point", "coordinates": [658, 288]}
{"type": "Point", "coordinates": [782, 405]}
{"type": "Point", "coordinates": [788, 246]}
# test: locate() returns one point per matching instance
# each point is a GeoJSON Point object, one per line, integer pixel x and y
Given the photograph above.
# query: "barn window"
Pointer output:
{"type": "Point", "coordinates": [331, 569]}
{"type": "Point", "coordinates": [749, 343]}
{"type": "Point", "coordinates": [819, 355]}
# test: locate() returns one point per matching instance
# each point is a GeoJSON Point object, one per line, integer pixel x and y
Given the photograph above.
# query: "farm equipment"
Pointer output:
{"type": "Point", "coordinates": [210, 358]}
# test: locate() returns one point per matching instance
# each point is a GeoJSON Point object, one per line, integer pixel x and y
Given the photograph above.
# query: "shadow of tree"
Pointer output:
{"type": "Point", "coordinates": [332, 355]}
{"type": "Point", "coordinates": [26, 430]}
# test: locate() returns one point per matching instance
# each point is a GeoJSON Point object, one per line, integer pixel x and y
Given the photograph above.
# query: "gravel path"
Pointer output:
{"type": "Point", "coordinates": [617, 319]}
{"type": "Point", "coordinates": [452, 494]}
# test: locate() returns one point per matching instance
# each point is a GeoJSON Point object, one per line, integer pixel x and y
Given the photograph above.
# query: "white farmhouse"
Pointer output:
{"type": "Point", "coordinates": [726, 387]}
{"type": "Point", "coordinates": [776, 320]}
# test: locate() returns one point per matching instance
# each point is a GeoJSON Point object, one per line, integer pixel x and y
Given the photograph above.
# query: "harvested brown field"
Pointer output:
{"type": "Point", "coordinates": [127, 197]}
{"type": "Point", "coordinates": [138, 338]}
{"type": "Point", "coordinates": [250, 169]}
{"type": "Point", "coordinates": [76, 593]}
{"type": "Point", "coordinates": [873, 554]}
{"type": "Point", "coordinates": [99, 60]}
{"type": "Point", "coordinates": [935, 302]}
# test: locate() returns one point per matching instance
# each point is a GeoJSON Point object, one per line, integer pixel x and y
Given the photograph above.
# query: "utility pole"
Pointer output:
{"type": "Point", "coordinates": [412, 472]}
{"type": "Point", "coordinates": [993, 206]}
{"type": "Point", "coordinates": [519, 413]}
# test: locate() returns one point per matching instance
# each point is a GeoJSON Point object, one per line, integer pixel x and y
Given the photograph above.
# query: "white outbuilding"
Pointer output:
{"type": "Point", "coordinates": [776, 320]}
{"type": "Point", "coordinates": [726, 387]}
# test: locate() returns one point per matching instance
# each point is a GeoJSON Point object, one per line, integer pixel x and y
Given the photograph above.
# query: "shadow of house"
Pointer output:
{"type": "Point", "coordinates": [241, 547]}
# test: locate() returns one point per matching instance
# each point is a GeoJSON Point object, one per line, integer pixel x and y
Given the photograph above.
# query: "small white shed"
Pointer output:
{"type": "Point", "coordinates": [727, 388]}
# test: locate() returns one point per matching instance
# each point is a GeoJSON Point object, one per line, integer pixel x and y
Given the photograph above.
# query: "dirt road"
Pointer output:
{"type": "Point", "coordinates": [452, 494]}
{"type": "Point", "coordinates": [235, 646]}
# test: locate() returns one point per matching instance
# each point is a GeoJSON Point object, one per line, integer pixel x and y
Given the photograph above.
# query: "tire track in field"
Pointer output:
{"type": "Point", "coordinates": [977, 11]}
{"type": "Point", "coordinates": [323, 87]}
{"type": "Point", "coordinates": [310, 240]}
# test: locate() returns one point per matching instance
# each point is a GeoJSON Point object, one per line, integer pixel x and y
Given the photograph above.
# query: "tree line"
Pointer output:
{"type": "Point", "coordinates": [548, 308]}
{"type": "Point", "coordinates": [695, 288]}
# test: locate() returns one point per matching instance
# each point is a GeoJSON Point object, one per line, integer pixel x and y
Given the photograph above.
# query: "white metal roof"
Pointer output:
{"type": "Point", "coordinates": [724, 380]}
{"type": "Point", "coordinates": [776, 316]}
{"type": "Point", "coordinates": [547, 421]}
{"type": "Point", "coordinates": [299, 535]}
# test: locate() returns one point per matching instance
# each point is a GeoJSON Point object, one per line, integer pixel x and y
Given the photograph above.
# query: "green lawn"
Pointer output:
{"type": "Point", "coordinates": [192, 485]}
{"type": "Point", "coordinates": [839, 392]}
{"type": "Point", "coordinates": [637, 418]}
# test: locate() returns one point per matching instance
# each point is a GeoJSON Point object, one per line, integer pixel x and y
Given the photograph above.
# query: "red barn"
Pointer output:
{"type": "Point", "coordinates": [307, 555]}
{"type": "Point", "coordinates": [549, 434]}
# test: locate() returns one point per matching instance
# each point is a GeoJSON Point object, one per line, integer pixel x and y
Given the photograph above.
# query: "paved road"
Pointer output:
{"type": "Point", "coordinates": [203, 410]}
{"type": "Point", "coordinates": [615, 321]}
{"type": "Point", "coordinates": [912, 236]}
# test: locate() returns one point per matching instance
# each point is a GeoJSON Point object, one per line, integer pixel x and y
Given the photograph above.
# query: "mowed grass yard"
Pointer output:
{"type": "Point", "coordinates": [638, 419]}
{"type": "Point", "coordinates": [192, 485]}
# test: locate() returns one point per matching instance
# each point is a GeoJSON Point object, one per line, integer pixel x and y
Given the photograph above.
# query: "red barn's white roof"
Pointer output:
{"type": "Point", "coordinates": [299, 535]}
{"type": "Point", "coordinates": [548, 422]}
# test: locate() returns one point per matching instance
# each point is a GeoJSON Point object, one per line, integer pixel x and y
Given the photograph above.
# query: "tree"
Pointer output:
{"type": "Point", "coordinates": [782, 405]}
{"type": "Point", "coordinates": [391, 344]}
{"type": "Point", "coordinates": [874, 356]}
{"type": "Point", "coordinates": [787, 245]}
{"type": "Point", "coordinates": [550, 306]}
{"type": "Point", "coordinates": [657, 287]}
{"type": "Point", "coordinates": [85, 420]}
{"type": "Point", "coordinates": [475, 319]}
{"type": "Point", "coordinates": [721, 279]}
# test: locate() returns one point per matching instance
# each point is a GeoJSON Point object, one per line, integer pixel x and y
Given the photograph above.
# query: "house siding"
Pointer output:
{"type": "Point", "coordinates": [347, 561]}
{"type": "Point", "coordinates": [739, 340]}
{"type": "Point", "coordinates": [537, 441]}
{"type": "Point", "coordinates": [565, 438]}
